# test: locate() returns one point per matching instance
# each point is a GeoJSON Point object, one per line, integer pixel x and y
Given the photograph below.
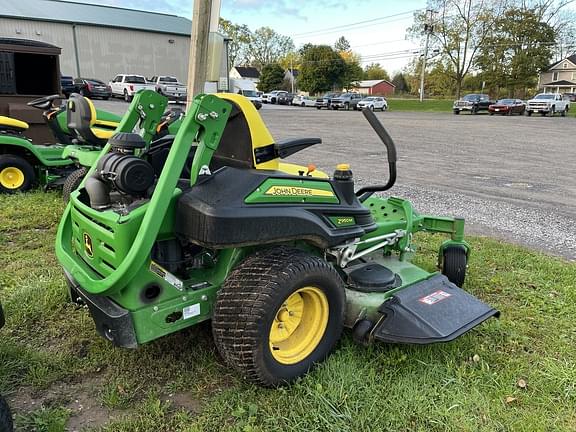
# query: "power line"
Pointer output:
{"type": "Point", "coordinates": [345, 26]}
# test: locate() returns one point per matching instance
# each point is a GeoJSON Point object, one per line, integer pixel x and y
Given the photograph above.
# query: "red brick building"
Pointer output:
{"type": "Point", "coordinates": [375, 87]}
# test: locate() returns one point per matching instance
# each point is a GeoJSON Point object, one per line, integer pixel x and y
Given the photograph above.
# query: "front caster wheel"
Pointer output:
{"type": "Point", "coordinates": [274, 325]}
{"type": "Point", "coordinates": [454, 264]}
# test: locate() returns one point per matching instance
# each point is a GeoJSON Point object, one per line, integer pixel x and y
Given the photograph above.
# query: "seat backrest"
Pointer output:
{"type": "Point", "coordinates": [81, 116]}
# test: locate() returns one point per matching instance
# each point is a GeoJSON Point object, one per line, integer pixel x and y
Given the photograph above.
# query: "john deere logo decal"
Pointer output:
{"type": "Point", "coordinates": [88, 245]}
{"type": "Point", "coordinates": [297, 191]}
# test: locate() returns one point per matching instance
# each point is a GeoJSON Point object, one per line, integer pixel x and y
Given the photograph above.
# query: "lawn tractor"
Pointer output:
{"type": "Point", "coordinates": [24, 164]}
{"type": "Point", "coordinates": [211, 224]}
{"type": "Point", "coordinates": [5, 414]}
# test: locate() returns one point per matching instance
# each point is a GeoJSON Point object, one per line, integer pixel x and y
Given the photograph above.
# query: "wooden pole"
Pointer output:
{"type": "Point", "coordinates": [198, 48]}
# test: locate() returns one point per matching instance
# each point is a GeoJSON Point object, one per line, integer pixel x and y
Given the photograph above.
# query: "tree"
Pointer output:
{"type": "Point", "coordinates": [460, 28]}
{"type": "Point", "coordinates": [266, 46]}
{"type": "Point", "coordinates": [271, 77]}
{"type": "Point", "coordinates": [342, 44]}
{"type": "Point", "coordinates": [375, 72]}
{"type": "Point", "coordinates": [400, 82]}
{"type": "Point", "coordinates": [240, 36]}
{"type": "Point", "coordinates": [518, 47]}
{"type": "Point", "coordinates": [322, 68]}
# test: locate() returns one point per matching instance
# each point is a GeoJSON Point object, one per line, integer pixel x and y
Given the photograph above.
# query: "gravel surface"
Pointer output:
{"type": "Point", "coordinates": [510, 177]}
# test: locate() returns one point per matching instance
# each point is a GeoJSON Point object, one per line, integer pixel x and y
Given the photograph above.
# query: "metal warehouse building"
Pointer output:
{"type": "Point", "coordinates": [102, 41]}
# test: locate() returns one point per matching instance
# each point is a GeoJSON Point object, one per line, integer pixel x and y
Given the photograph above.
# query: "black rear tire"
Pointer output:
{"type": "Point", "coordinates": [248, 308]}
{"type": "Point", "coordinates": [72, 182]}
{"type": "Point", "coordinates": [6, 424]}
{"type": "Point", "coordinates": [16, 174]}
{"type": "Point", "coordinates": [454, 264]}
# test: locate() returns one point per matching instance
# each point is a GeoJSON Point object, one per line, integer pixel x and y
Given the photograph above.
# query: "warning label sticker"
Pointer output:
{"type": "Point", "coordinates": [166, 275]}
{"type": "Point", "coordinates": [435, 297]}
{"type": "Point", "coordinates": [191, 311]}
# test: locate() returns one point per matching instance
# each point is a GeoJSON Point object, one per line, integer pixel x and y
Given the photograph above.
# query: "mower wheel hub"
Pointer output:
{"type": "Point", "coordinates": [11, 178]}
{"type": "Point", "coordinates": [299, 325]}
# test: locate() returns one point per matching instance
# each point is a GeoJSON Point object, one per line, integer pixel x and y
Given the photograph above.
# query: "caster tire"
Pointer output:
{"type": "Point", "coordinates": [278, 313]}
{"type": "Point", "coordinates": [72, 182]}
{"type": "Point", "coordinates": [454, 264]}
{"type": "Point", "coordinates": [16, 174]}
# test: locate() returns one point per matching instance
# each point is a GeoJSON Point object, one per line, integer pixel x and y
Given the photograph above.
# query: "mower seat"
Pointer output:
{"type": "Point", "coordinates": [83, 120]}
{"type": "Point", "coordinates": [9, 123]}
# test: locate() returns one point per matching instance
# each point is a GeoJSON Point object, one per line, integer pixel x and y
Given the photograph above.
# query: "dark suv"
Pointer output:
{"type": "Point", "coordinates": [92, 88]}
{"type": "Point", "coordinates": [473, 102]}
{"type": "Point", "coordinates": [67, 85]}
{"type": "Point", "coordinates": [346, 101]}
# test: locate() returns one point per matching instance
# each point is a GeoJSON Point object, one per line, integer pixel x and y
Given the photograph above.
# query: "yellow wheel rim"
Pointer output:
{"type": "Point", "coordinates": [11, 178]}
{"type": "Point", "coordinates": [299, 325]}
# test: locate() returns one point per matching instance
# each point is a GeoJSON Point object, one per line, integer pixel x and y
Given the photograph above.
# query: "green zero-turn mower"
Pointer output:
{"type": "Point", "coordinates": [24, 164]}
{"type": "Point", "coordinates": [5, 414]}
{"type": "Point", "coordinates": [211, 225]}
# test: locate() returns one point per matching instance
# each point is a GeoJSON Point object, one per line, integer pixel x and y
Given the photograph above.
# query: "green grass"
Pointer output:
{"type": "Point", "coordinates": [428, 105]}
{"type": "Point", "coordinates": [49, 344]}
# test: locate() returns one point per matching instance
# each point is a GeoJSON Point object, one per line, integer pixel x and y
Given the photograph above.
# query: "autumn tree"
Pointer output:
{"type": "Point", "coordinates": [322, 68]}
{"type": "Point", "coordinates": [374, 71]}
{"type": "Point", "coordinates": [271, 77]}
{"type": "Point", "coordinates": [240, 37]}
{"type": "Point", "coordinates": [266, 46]}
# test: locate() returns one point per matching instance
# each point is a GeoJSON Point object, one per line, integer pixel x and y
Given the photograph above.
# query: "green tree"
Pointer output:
{"type": "Point", "coordinates": [240, 36]}
{"type": "Point", "coordinates": [459, 28]}
{"type": "Point", "coordinates": [342, 44]}
{"type": "Point", "coordinates": [400, 82]}
{"type": "Point", "coordinates": [518, 47]}
{"type": "Point", "coordinates": [374, 71]}
{"type": "Point", "coordinates": [322, 68]}
{"type": "Point", "coordinates": [266, 46]}
{"type": "Point", "coordinates": [271, 77]}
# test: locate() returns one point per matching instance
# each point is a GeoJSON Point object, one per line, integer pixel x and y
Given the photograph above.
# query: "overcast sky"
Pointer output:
{"type": "Point", "coordinates": [382, 40]}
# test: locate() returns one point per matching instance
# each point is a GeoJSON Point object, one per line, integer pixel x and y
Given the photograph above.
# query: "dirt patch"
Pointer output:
{"type": "Point", "coordinates": [80, 398]}
{"type": "Point", "coordinates": [185, 401]}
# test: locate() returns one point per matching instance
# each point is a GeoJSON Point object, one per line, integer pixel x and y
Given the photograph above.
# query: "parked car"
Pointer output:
{"type": "Point", "coordinates": [473, 102]}
{"type": "Point", "coordinates": [570, 96]}
{"type": "Point", "coordinates": [67, 85]}
{"type": "Point", "coordinates": [373, 103]}
{"type": "Point", "coordinates": [285, 98]}
{"type": "Point", "coordinates": [272, 97]}
{"type": "Point", "coordinates": [326, 100]}
{"type": "Point", "coordinates": [508, 107]}
{"type": "Point", "coordinates": [92, 88]}
{"type": "Point", "coordinates": [126, 85]}
{"type": "Point", "coordinates": [346, 101]}
{"type": "Point", "coordinates": [252, 96]}
{"type": "Point", "coordinates": [170, 87]}
{"type": "Point", "coordinates": [548, 103]}
{"type": "Point", "coordinates": [304, 101]}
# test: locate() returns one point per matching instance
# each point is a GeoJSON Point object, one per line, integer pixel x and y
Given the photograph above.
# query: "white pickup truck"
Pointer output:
{"type": "Point", "coordinates": [170, 87]}
{"type": "Point", "coordinates": [548, 103]}
{"type": "Point", "coordinates": [126, 85]}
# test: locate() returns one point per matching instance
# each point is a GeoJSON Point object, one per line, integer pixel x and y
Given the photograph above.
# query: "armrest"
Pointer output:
{"type": "Point", "coordinates": [288, 147]}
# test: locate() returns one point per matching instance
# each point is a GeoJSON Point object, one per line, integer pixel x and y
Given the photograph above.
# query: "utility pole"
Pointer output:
{"type": "Point", "coordinates": [204, 14]}
{"type": "Point", "coordinates": [428, 29]}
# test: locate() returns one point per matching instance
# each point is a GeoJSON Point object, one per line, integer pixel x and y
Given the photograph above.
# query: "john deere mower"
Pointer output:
{"type": "Point", "coordinates": [24, 164]}
{"type": "Point", "coordinates": [211, 225]}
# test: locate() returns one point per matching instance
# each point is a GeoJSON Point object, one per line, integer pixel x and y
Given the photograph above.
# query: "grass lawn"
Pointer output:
{"type": "Point", "coordinates": [513, 374]}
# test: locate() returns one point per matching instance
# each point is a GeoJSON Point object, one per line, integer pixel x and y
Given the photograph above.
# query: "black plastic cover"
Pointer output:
{"type": "Point", "coordinates": [127, 141]}
{"type": "Point", "coordinates": [213, 214]}
{"type": "Point", "coordinates": [434, 310]}
{"type": "Point", "coordinates": [373, 277]}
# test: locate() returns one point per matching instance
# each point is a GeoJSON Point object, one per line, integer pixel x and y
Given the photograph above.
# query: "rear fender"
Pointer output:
{"type": "Point", "coordinates": [48, 155]}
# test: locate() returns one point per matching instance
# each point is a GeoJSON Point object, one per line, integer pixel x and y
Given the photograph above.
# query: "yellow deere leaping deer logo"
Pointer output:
{"type": "Point", "coordinates": [88, 245]}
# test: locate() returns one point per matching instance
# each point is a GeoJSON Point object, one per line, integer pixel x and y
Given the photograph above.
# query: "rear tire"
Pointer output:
{"type": "Point", "coordinates": [278, 313]}
{"type": "Point", "coordinates": [6, 424]}
{"type": "Point", "coordinates": [127, 97]}
{"type": "Point", "coordinates": [529, 113]}
{"type": "Point", "coordinates": [454, 264]}
{"type": "Point", "coordinates": [372, 108]}
{"type": "Point", "coordinates": [16, 174]}
{"type": "Point", "coordinates": [72, 182]}
{"type": "Point", "coordinates": [456, 112]}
